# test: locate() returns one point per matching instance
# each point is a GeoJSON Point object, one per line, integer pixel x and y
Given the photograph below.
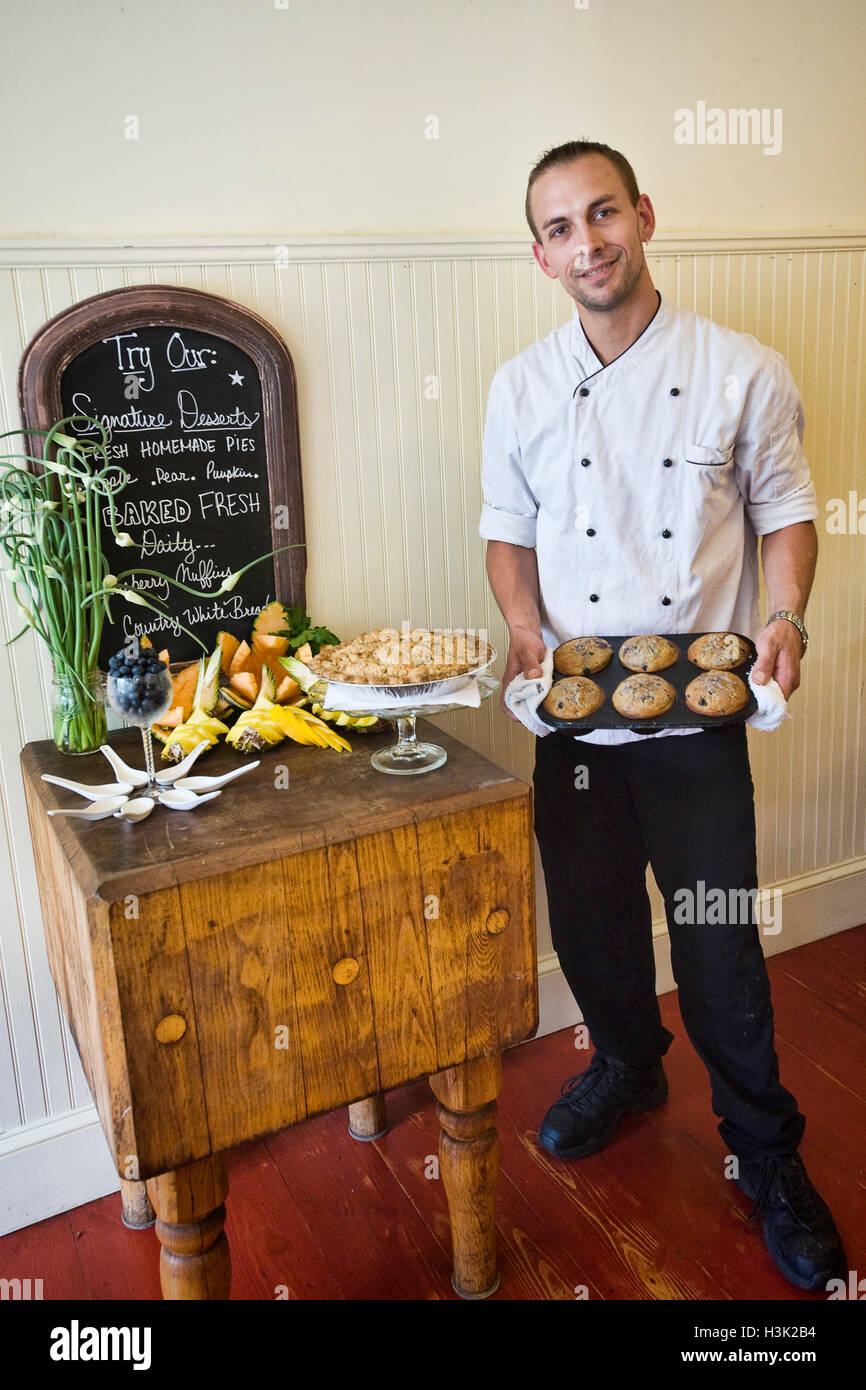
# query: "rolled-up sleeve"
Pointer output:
{"type": "Point", "coordinates": [510, 509]}
{"type": "Point", "coordinates": [772, 469]}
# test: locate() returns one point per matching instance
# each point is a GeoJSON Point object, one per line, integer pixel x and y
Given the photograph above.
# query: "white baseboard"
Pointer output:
{"type": "Point", "coordinates": [64, 1162]}
{"type": "Point", "coordinates": [53, 1167]}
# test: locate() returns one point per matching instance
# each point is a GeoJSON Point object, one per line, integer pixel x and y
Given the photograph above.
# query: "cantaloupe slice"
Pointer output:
{"type": "Point", "coordinates": [144, 641]}
{"type": "Point", "coordinates": [229, 645]}
{"type": "Point", "coordinates": [258, 658]}
{"type": "Point", "coordinates": [246, 683]}
{"type": "Point", "coordinates": [304, 653]}
{"type": "Point", "coordinates": [273, 618]}
{"type": "Point", "coordinates": [164, 656]}
{"type": "Point", "coordinates": [269, 644]}
{"type": "Point", "coordinates": [265, 653]}
{"type": "Point", "coordinates": [240, 660]}
{"type": "Point", "coordinates": [287, 689]}
{"type": "Point", "coordinates": [184, 692]}
{"type": "Point", "coordinates": [173, 718]}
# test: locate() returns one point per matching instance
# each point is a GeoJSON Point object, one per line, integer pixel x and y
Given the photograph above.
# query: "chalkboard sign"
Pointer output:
{"type": "Point", "coordinates": [198, 397]}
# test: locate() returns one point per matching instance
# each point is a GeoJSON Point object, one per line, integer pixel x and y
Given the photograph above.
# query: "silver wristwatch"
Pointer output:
{"type": "Point", "coordinates": [796, 620]}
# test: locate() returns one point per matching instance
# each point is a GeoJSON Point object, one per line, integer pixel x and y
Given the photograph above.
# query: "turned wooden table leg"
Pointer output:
{"type": "Point", "coordinates": [194, 1262]}
{"type": "Point", "coordinates": [367, 1118]}
{"type": "Point", "coordinates": [136, 1212]}
{"type": "Point", "coordinates": [469, 1165]}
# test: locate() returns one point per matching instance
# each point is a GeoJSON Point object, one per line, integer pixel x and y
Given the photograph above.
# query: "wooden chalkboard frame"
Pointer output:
{"type": "Point", "coordinates": [86, 323]}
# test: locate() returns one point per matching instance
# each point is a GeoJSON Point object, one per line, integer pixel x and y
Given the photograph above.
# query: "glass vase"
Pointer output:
{"type": "Point", "coordinates": [78, 712]}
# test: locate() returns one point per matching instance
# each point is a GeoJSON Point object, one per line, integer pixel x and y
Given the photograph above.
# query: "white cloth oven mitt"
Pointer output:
{"type": "Point", "coordinates": [772, 705]}
{"type": "Point", "coordinates": [525, 694]}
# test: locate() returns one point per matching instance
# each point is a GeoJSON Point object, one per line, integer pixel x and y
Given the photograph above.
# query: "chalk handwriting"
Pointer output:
{"type": "Point", "coordinates": [181, 358]}
{"type": "Point", "coordinates": [191, 418]}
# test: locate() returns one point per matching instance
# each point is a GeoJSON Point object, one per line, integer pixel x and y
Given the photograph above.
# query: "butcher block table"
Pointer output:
{"type": "Point", "coordinates": [317, 935]}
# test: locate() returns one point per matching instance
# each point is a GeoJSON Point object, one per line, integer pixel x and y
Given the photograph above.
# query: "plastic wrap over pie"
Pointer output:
{"type": "Point", "coordinates": [411, 657]}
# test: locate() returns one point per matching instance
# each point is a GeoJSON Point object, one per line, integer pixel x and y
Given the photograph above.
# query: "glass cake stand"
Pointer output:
{"type": "Point", "coordinates": [407, 757]}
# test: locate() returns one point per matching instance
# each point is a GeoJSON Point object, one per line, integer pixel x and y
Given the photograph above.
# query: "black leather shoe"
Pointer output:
{"type": "Point", "coordinates": [798, 1228]}
{"type": "Point", "coordinates": [594, 1102]}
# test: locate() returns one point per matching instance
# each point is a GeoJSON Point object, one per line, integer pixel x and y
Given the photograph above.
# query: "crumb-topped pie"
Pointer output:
{"type": "Point", "coordinates": [388, 657]}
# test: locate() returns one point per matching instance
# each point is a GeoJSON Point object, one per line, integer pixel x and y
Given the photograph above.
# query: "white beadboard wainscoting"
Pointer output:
{"type": "Point", "coordinates": [394, 344]}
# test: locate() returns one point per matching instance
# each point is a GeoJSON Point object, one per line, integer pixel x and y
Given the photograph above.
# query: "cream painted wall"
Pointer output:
{"type": "Point", "coordinates": [309, 119]}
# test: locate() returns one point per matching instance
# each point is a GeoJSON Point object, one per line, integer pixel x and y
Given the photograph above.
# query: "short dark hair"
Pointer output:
{"type": "Point", "coordinates": [577, 149]}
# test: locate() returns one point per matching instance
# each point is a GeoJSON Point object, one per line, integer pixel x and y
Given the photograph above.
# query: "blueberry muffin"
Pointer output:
{"type": "Point", "coordinates": [582, 656]}
{"type": "Point", "coordinates": [648, 653]}
{"type": "Point", "coordinates": [641, 697]}
{"type": "Point", "coordinates": [718, 651]}
{"type": "Point", "coordinates": [716, 692]}
{"type": "Point", "coordinates": [575, 697]}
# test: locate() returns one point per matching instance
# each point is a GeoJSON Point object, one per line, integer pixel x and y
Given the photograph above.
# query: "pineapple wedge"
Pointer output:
{"type": "Point", "coordinates": [268, 723]}
{"type": "Point", "coordinates": [199, 728]}
{"type": "Point", "coordinates": [305, 727]}
{"type": "Point", "coordinates": [202, 726]}
{"type": "Point", "coordinates": [257, 728]}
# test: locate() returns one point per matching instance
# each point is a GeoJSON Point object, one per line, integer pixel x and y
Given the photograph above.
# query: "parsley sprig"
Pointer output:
{"type": "Point", "coordinates": [300, 631]}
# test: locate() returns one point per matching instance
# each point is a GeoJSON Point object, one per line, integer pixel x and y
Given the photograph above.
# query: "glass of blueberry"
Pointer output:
{"type": "Point", "coordinates": [140, 690]}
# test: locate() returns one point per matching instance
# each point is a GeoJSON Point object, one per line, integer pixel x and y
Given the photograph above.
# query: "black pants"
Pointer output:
{"type": "Point", "coordinates": [686, 806]}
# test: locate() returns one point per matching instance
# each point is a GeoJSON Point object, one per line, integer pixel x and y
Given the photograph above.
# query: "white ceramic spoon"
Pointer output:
{"type": "Point", "coordinates": [206, 784]}
{"type": "Point", "coordinates": [92, 793]}
{"type": "Point", "coordinates": [184, 800]}
{"type": "Point", "coordinates": [136, 776]}
{"type": "Point", "coordinates": [138, 808]}
{"type": "Point", "coordinates": [171, 774]}
{"type": "Point", "coordinates": [106, 806]}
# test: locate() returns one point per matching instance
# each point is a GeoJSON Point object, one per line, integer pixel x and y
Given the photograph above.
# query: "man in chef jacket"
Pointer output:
{"type": "Point", "coordinates": [631, 459]}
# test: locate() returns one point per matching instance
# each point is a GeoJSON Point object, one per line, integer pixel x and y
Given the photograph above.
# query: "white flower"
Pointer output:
{"type": "Point", "coordinates": [50, 506]}
{"type": "Point", "coordinates": [132, 597]}
{"type": "Point", "coordinates": [124, 538]}
{"type": "Point", "coordinates": [229, 583]}
{"type": "Point", "coordinates": [110, 581]}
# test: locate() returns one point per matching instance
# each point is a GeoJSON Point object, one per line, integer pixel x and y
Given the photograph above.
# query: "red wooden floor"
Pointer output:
{"type": "Point", "coordinates": [650, 1217]}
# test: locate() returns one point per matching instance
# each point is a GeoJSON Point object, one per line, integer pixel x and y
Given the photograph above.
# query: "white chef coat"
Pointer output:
{"type": "Point", "coordinates": [643, 484]}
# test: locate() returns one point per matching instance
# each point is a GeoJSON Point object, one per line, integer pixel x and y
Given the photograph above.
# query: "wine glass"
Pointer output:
{"type": "Point", "coordinates": [140, 690]}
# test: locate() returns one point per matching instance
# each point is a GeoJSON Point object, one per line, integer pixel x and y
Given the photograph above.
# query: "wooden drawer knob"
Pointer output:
{"type": "Point", "coordinates": [498, 920]}
{"type": "Point", "coordinates": [345, 970]}
{"type": "Point", "coordinates": [170, 1028]}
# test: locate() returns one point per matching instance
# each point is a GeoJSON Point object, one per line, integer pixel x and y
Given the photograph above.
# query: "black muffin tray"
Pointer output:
{"type": "Point", "coordinates": [679, 716]}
